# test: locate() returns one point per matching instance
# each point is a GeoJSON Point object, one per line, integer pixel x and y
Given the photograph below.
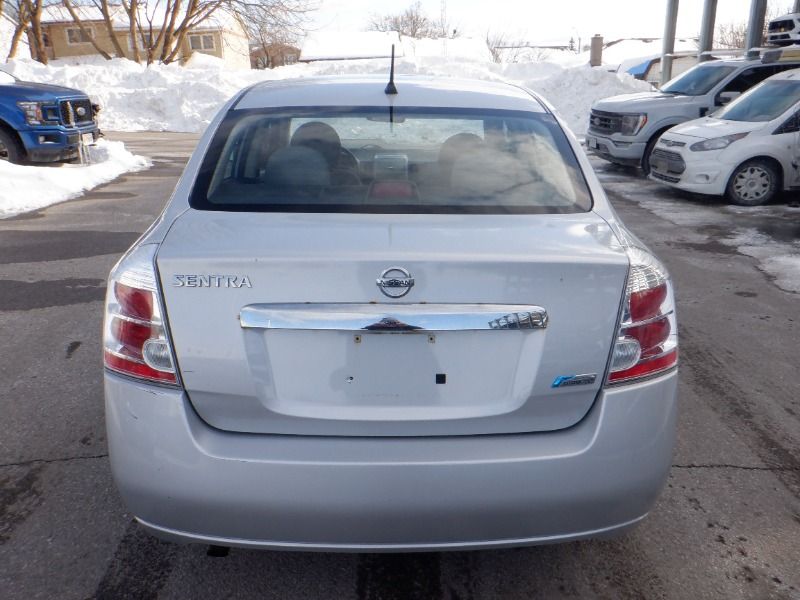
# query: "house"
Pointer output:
{"type": "Point", "coordinates": [220, 35]}
{"type": "Point", "coordinates": [269, 56]}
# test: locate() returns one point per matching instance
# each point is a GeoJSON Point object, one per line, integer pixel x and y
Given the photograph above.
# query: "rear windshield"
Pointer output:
{"type": "Point", "coordinates": [763, 103]}
{"type": "Point", "coordinates": [412, 160]}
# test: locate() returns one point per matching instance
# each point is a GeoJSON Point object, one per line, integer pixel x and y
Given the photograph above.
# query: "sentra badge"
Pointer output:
{"type": "Point", "coordinates": [211, 281]}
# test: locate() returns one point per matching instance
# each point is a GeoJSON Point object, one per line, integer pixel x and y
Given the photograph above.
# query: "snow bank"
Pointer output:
{"type": "Point", "coordinates": [29, 188]}
{"type": "Point", "coordinates": [175, 98]}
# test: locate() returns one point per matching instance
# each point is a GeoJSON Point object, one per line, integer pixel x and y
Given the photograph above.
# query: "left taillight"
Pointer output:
{"type": "Point", "coordinates": [647, 338]}
{"type": "Point", "coordinates": [135, 338]}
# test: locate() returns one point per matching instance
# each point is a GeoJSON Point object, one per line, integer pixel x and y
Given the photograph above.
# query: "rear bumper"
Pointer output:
{"type": "Point", "coordinates": [55, 144]}
{"type": "Point", "coordinates": [618, 151]}
{"type": "Point", "coordinates": [188, 482]}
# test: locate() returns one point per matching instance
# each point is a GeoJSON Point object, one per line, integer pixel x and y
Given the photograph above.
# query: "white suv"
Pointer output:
{"type": "Point", "coordinates": [625, 129]}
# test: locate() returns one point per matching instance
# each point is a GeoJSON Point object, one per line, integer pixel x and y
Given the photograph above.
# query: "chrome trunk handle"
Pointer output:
{"type": "Point", "coordinates": [394, 318]}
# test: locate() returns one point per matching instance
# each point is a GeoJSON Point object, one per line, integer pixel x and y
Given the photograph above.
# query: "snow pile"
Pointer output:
{"type": "Point", "coordinates": [175, 98]}
{"type": "Point", "coordinates": [29, 188]}
{"type": "Point", "coordinates": [336, 45]}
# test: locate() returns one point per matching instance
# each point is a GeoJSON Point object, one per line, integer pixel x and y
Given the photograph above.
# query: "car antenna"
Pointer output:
{"type": "Point", "coordinates": [391, 89]}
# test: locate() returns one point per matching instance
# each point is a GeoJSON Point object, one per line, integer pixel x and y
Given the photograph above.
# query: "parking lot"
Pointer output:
{"type": "Point", "coordinates": [726, 526]}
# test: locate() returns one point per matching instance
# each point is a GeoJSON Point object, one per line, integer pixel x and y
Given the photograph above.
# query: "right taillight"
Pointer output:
{"type": "Point", "coordinates": [135, 341]}
{"type": "Point", "coordinates": [647, 339]}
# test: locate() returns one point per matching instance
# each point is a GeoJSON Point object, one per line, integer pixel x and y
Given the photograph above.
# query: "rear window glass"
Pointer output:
{"type": "Point", "coordinates": [409, 160]}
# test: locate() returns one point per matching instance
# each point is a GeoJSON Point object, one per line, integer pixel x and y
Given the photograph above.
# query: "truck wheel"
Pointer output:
{"type": "Point", "coordinates": [648, 150]}
{"type": "Point", "coordinates": [10, 149]}
{"type": "Point", "coordinates": [753, 183]}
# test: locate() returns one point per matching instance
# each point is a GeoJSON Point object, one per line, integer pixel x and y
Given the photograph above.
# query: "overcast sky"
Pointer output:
{"type": "Point", "coordinates": [543, 21]}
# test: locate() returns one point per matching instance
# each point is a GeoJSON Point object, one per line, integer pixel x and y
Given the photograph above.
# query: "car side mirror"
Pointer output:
{"type": "Point", "coordinates": [725, 97]}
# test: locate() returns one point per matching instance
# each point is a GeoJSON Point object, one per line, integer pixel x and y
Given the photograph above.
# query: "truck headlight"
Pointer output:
{"type": "Point", "coordinates": [632, 124]}
{"type": "Point", "coordinates": [33, 112]}
{"type": "Point", "coordinates": [719, 143]}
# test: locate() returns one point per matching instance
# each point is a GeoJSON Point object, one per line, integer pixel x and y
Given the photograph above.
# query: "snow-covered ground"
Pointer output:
{"type": "Point", "coordinates": [175, 98]}
{"type": "Point", "coordinates": [29, 188]}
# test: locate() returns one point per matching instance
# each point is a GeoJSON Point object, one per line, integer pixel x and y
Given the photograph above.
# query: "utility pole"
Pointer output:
{"type": "Point", "coordinates": [669, 41]}
{"type": "Point", "coordinates": [707, 29]}
{"type": "Point", "coordinates": [755, 26]}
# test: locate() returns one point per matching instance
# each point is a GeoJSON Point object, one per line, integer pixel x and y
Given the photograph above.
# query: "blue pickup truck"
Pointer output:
{"type": "Point", "coordinates": [42, 123]}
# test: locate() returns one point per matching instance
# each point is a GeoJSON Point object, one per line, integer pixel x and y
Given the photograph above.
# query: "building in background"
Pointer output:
{"type": "Point", "coordinates": [220, 35]}
{"type": "Point", "coordinates": [269, 56]}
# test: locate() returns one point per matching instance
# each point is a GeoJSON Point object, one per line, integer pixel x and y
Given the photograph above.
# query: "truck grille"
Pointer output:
{"type": "Point", "coordinates": [605, 122]}
{"type": "Point", "coordinates": [666, 165]}
{"type": "Point", "coordinates": [75, 112]}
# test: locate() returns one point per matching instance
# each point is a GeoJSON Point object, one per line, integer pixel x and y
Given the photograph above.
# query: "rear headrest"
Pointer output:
{"type": "Point", "coordinates": [457, 145]}
{"type": "Point", "coordinates": [321, 137]}
{"type": "Point", "coordinates": [297, 165]}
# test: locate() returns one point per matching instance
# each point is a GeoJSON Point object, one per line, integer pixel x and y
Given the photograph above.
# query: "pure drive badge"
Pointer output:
{"type": "Point", "coordinates": [568, 380]}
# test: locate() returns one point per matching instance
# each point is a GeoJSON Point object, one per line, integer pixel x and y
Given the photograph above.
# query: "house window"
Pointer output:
{"type": "Point", "coordinates": [203, 41]}
{"type": "Point", "coordinates": [76, 36]}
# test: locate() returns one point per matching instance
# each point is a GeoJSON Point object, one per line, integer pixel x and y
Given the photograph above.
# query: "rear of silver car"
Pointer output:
{"type": "Point", "coordinates": [391, 360]}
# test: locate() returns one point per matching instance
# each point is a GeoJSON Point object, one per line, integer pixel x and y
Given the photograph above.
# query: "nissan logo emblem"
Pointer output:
{"type": "Point", "coordinates": [395, 282]}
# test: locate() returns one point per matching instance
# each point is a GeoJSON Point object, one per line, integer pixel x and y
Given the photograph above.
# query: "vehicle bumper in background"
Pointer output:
{"type": "Point", "coordinates": [188, 482]}
{"type": "Point", "coordinates": [618, 151]}
{"type": "Point", "coordinates": [53, 144]}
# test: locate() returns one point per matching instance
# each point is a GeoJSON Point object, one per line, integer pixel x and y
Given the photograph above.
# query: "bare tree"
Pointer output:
{"type": "Point", "coordinates": [734, 35]}
{"type": "Point", "coordinates": [506, 49]}
{"type": "Point", "coordinates": [84, 31]}
{"type": "Point", "coordinates": [157, 29]}
{"type": "Point", "coordinates": [18, 11]}
{"type": "Point", "coordinates": [412, 22]}
{"type": "Point", "coordinates": [275, 26]}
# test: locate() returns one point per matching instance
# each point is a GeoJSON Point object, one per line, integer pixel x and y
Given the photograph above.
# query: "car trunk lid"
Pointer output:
{"type": "Point", "coordinates": [279, 325]}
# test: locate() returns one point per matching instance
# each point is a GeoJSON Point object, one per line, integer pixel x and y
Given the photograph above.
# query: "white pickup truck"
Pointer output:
{"type": "Point", "coordinates": [624, 129]}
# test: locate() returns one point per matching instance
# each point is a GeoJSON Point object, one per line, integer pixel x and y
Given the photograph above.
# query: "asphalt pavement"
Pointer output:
{"type": "Point", "coordinates": [727, 525]}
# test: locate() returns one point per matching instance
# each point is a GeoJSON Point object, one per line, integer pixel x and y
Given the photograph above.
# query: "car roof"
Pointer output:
{"type": "Point", "coordinates": [790, 74]}
{"type": "Point", "coordinates": [367, 90]}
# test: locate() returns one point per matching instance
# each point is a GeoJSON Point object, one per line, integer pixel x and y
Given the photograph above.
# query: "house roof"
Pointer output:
{"type": "Point", "coordinates": [57, 13]}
